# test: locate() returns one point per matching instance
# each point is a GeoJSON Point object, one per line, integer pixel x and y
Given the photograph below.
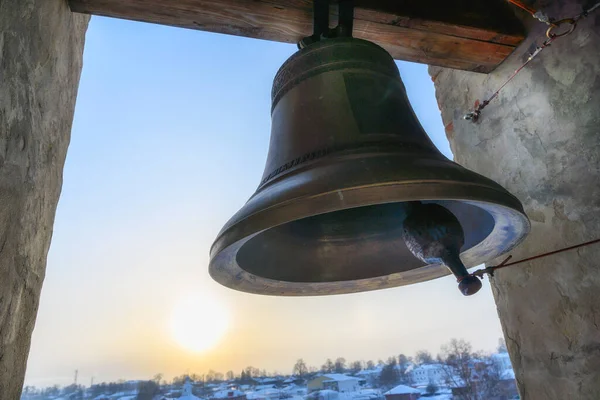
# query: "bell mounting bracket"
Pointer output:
{"type": "Point", "coordinates": [321, 28]}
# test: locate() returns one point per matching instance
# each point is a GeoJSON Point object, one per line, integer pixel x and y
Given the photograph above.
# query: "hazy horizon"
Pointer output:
{"type": "Point", "coordinates": [169, 140]}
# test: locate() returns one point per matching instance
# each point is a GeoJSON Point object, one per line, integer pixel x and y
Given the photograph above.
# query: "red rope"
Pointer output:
{"type": "Point", "coordinates": [551, 35]}
{"type": "Point", "coordinates": [476, 113]}
{"type": "Point", "coordinates": [523, 6]}
{"type": "Point", "coordinates": [504, 264]}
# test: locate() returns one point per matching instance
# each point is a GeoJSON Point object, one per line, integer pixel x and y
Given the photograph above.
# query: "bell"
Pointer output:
{"type": "Point", "coordinates": [355, 196]}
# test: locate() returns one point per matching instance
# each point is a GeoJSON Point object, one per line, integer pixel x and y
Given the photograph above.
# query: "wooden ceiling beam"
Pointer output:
{"type": "Point", "coordinates": [473, 35]}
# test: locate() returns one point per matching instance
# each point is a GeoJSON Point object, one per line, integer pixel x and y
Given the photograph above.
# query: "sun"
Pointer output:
{"type": "Point", "coordinates": [199, 321]}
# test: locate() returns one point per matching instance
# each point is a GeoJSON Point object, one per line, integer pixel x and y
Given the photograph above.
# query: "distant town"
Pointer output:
{"type": "Point", "coordinates": [457, 373]}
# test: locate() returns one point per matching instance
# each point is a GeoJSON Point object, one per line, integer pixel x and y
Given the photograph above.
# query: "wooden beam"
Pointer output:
{"type": "Point", "coordinates": [473, 35]}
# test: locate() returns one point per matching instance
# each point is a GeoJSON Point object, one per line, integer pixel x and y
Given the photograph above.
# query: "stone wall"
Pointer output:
{"type": "Point", "coordinates": [41, 46]}
{"type": "Point", "coordinates": [541, 140]}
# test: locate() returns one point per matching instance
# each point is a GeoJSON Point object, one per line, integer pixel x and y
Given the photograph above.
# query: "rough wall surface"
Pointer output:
{"type": "Point", "coordinates": [541, 140]}
{"type": "Point", "coordinates": [41, 46]}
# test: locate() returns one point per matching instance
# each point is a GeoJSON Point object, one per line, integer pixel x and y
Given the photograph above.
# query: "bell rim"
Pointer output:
{"type": "Point", "coordinates": [505, 209]}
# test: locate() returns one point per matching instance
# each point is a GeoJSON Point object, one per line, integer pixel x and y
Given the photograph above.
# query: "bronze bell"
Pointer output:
{"type": "Point", "coordinates": [347, 161]}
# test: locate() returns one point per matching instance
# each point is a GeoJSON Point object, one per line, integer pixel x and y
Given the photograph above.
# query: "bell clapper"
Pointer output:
{"type": "Point", "coordinates": [434, 235]}
{"type": "Point", "coordinates": [467, 284]}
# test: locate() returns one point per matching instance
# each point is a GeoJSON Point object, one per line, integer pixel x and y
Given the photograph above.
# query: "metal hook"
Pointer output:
{"type": "Point", "coordinates": [557, 24]}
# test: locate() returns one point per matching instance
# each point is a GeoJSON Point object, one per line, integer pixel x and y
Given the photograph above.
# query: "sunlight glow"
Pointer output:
{"type": "Point", "coordinates": [199, 321]}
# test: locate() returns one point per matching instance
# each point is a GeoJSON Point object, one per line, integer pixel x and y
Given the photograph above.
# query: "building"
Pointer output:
{"type": "Point", "coordinates": [324, 395]}
{"type": "Point", "coordinates": [370, 376]}
{"type": "Point", "coordinates": [228, 395]}
{"type": "Point", "coordinates": [336, 382]}
{"type": "Point", "coordinates": [187, 394]}
{"type": "Point", "coordinates": [502, 360]}
{"type": "Point", "coordinates": [425, 374]}
{"type": "Point", "coordinates": [294, 380]}
{"type": "Point", "coordinates": [402, 392]}
{"type": "Point", "coordinates": [504, 389]}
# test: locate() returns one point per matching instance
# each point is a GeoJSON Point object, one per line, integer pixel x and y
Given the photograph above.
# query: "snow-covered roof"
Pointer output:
{"type": "Point", "coordinates": [376, 370]}
{"type": "Point", "coordinates": [339, 377]}
{"type": "Point", "coordinates": [189, 397]}
{"type": "Point", "coordinates": [369, 391]}
{"type": "Point", "coordinates": [262, 387]}
{"type": "Point", "coordinates": [268, 391]}
{"type": "Point", "coordinates": [294, 389]}
{"type": "Point", "coordinates": [224, 394]}
{"type": "Point", "coordinates": [403, 389]}
{"type": "Point", "coordinates": [265, 380]}
{"type": "Point", "coordinates": [264, 393]}
{"type": "Point", "coordinates": [325, 394]}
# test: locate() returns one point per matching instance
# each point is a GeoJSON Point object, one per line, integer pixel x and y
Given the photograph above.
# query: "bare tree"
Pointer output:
{"type": "Point", "coordinates": [328, 367]}
{"type": "Point", "coordinates": [340, 365]}
{"type": "Point", "coordinates": [403, 364]}
{"type": "Point", "coordinates": [300, 368]}
{"type": "Point", "coordinates": [370, 364]}
{"type": "Point", "coordinates": [356, 367]}
{"type": "Point", "coordinates": [179, 380]}
{"type": "Point", "coordinates": [229, 375]}
{"type": "Point", "coordinates": [252, 372]}
{"type": "Point", "coordinates": [472, 376]}
{"type": "Point", "coordinates": [158, 378]}
{"type": "Point", "coordinates": [457, 358]}
{"type": "Point", "coordinates": [211, 376]}
{"type": "Point", "coordinates": [423, 357]}
{"type": "Point", "coordinates": [389, 374]}
{"type": "Point", "coordinates": [147, 390]}
{"type": "Point", "coordinates": [489, 377]}
{"type": "Point", "coordinates": [73, 391]}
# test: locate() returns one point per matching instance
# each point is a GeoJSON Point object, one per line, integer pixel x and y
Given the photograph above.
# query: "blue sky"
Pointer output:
{"type": "Point", "coordinates": [169, 139]}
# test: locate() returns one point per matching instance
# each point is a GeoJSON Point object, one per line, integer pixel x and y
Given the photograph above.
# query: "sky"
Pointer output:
{"type": "Point", "coordinates": [169, 140]}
